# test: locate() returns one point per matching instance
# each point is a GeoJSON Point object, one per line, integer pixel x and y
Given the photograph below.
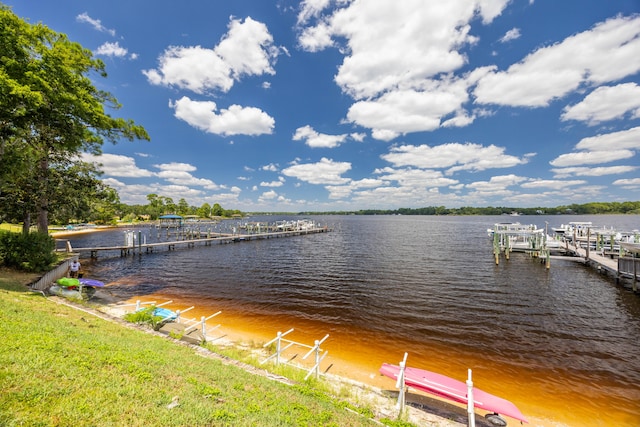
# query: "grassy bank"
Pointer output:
{"type": "Point", "coordinates": [62, 366]}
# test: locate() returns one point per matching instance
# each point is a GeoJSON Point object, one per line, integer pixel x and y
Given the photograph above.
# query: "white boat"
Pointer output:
{"type": "Point", "coordinates": [523, 238]}
{"type": "Point", "coordinates": [299, 225]}
{"type": "Point", "coordinates": [580, 227]}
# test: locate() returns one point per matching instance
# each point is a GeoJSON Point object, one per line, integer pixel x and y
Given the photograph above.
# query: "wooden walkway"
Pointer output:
{"type": "Point", "coordinates": [609, 265]}
{"type": "Point", "coordinates": [220, 238]}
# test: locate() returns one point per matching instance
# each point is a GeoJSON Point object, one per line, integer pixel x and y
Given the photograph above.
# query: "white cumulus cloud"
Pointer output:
{"type": "Point", "coordinates": [235, 120]}
{"type": "Point", "coordinates": [246, 49]}
{"type": "Point", "coordinates": [318, 140]}
{"type": "Point", "coordinates": [606, 53]}
{"type": "Point", "coordinates": [606, 103]}
{"type": "Point", "coordinates": [326, 171]}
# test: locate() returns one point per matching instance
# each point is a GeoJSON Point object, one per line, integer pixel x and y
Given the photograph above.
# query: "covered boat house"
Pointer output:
{"type": "Point", "coordinates": [170, 221]}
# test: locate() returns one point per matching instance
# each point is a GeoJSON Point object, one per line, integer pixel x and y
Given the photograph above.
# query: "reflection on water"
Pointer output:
{"type": "Point", "coordinates": [427, 285]}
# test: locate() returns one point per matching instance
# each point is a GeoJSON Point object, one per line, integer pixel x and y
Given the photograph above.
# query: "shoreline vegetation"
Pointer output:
{"type": "Point", "coordinates": [597, 208]}
{"type": "Point", "coordinates": [594, 208]}
{"type": "Point", "coordinates": [142, 214]}
{"type": "Point", "coordinates": [82, 364]}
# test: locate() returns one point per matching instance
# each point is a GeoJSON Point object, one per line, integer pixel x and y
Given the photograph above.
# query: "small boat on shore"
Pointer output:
{"type": "Point", "coordinates": [91, 283]}
{"type": "Point", "coordinates": [166, 314]}
{"type": "Point", "coordinates": [70, 287]}
{"type": "Point", "coordinates": [451, 389]}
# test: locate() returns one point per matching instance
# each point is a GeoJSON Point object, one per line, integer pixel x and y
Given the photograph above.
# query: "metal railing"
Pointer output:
{"type": "Point", "coordinates": [315, 350]}
{"type": "Point", "coordinates": [630, 267]}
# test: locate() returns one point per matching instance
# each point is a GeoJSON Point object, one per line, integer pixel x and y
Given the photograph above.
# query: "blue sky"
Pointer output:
{"type": "Point", "coordinates": [339, 105]}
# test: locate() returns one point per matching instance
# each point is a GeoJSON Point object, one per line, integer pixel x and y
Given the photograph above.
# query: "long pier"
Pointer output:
{"type": "Point", "coordinates": [217, 238]}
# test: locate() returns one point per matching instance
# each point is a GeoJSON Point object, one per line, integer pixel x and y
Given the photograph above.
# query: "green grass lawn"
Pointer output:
{"type": "Point", "coordinates": [16, 228]}
{"type": "Point", "coordinates": [60, 366]}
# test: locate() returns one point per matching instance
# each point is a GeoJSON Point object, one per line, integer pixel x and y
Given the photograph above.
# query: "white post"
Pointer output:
{"type": "Point", "coordinates": [278, 339]}
{"type": "Point", "coordinates": [317, 358]}
{"type": "Point", "coordinates": [400, 384]}
{"type": "Point", "coordinates": [278, 349]}
{"type": "Point", "coordinates": [137, 305]}
{"type": "Point", "coordinates": [204, 327]}
{"type": "Point", "coordinates": [470, 405]}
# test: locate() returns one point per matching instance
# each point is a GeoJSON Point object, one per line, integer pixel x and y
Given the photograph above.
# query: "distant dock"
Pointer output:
{"type": "Point", "coordinates": [134, 242]}
{"type": "Point", "coordinates": [598, 250]}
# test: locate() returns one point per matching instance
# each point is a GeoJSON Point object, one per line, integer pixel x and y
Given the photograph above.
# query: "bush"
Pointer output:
{"type": "Point", "coordinates": [29, 252]}
{"type": "Point", "coordinates": [145, 316]}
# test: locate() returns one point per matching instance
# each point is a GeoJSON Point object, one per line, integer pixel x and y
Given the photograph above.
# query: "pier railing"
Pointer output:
{"type": "Point", "coordinates": [630, 267]}
{"type": "Point", "coordinates": [137, 243]}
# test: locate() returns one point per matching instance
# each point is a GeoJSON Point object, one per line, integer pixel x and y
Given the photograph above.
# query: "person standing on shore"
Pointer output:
{"type": "Point", "coordinates": [74, 268]}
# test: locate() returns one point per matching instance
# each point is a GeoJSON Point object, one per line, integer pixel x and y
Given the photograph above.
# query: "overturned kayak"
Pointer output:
{"type": "Point", "coordinates": [72, 288]}
{"type": "Point", "coordinates": [452, 389]}
{"type": "Point", "coordinates": [166, 314]}
{"type": "Point", "coordinates": [72, 283]}
{"type": "Point", "coordinates": [68, 282]}
{"type": "Point", "coordinates": [91, 283]}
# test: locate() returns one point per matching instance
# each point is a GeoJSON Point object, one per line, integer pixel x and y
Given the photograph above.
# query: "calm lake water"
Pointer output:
{"type": "Point", "coordinates": [562, 344]}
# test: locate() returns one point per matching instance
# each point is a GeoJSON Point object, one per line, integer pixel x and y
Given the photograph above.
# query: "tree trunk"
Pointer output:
{"type": "Point", "coordinates": [26, 223]}
{"type": "Point", "coordinates": [43, 211]}
{"type": "Point", "coordinates": [43, 220]}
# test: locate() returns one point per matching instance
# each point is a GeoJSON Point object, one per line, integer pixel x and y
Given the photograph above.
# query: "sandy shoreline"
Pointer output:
{"type": "Point", "coordinates": [366, 387]}
{"type": "Point", "coordinates": [57, 234]}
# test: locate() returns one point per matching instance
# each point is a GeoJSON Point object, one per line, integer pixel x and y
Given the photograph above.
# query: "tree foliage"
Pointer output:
{"type": "Point", "coordinates": [160, 205]}
{"type": "Point", "coordinates": [51, 112]}
{"type": "Point", "coordinates": [29, 252]}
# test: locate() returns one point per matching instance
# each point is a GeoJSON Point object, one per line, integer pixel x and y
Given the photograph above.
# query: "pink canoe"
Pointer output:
{"type": "Point", "coordinates": [448, 388]}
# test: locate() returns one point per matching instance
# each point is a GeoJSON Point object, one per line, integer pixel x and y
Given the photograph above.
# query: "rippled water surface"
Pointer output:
{"type": "Point", "coordinates": [563, 344]}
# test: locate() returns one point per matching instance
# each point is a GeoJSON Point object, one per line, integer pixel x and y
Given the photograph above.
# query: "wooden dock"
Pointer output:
{"type": "Point", "coordinates": [622, 269]}
{"type": "Point", "coordinates": [219, 238]}
{"type": "Point", "coordinates": [515, 237]}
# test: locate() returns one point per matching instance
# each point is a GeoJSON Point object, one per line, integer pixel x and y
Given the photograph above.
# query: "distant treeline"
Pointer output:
{"type": "Point", "coordinates": [596, 208]}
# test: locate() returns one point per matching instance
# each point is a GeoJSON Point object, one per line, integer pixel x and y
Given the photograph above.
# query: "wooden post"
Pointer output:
{"type": "Point", "coordinates": [548, 255]}
{"type": "Point", "coordinates": [507, 248]}
{"type": "Point", "coordinates": [588, 242]}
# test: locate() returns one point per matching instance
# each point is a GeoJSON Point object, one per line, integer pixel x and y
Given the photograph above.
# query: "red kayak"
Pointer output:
{"type": "Point", "coordinates": [449, 388]}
